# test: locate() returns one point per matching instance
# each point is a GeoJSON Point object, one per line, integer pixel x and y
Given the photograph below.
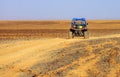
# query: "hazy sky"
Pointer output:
{"type": "Point", "coordinates": [59, 9]}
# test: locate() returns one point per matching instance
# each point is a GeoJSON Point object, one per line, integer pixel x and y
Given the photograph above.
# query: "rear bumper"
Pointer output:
{"type": "Point", "coordinates": [82, 29]}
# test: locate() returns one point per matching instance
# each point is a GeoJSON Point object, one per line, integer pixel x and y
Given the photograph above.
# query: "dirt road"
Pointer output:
{"type": "Point", "coordinates": [22, 54]}
{"type": "Point", "coordinates": [28, 58]}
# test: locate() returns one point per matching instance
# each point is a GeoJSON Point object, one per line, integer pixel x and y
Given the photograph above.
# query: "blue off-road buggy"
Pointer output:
{"type": "Point", "coordinates": [79, 28]}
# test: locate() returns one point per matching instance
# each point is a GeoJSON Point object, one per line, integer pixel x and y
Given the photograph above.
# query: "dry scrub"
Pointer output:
{"type": "Point", "coordinates": [48, 29]}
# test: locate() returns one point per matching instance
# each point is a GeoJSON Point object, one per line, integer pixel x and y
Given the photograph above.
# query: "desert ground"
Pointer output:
{"type": "Point", "coordinates": [42, 49]}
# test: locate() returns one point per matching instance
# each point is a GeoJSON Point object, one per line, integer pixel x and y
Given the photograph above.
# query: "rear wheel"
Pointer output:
{"type": "Point", "coordinates": [70, 35]}
{"type": "Point", "coordinates": [86, 34]}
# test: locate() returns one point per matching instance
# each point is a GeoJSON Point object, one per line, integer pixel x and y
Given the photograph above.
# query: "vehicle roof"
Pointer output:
{"type": "Point", "coordinates": [76, 19]}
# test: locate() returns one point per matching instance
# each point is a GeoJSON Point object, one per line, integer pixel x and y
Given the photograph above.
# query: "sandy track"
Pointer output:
{"type": "Point", "coordinates": [18, 55]}
{"type": "Point", "coordinates": [23, 54]}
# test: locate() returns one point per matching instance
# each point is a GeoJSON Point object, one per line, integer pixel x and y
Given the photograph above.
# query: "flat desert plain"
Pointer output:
{"type": "Point", "coordinates": [42, 49]}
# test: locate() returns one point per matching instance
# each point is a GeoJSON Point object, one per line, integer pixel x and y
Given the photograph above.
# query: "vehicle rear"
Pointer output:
{"type": "Point", "coordinates": [79, 28]}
